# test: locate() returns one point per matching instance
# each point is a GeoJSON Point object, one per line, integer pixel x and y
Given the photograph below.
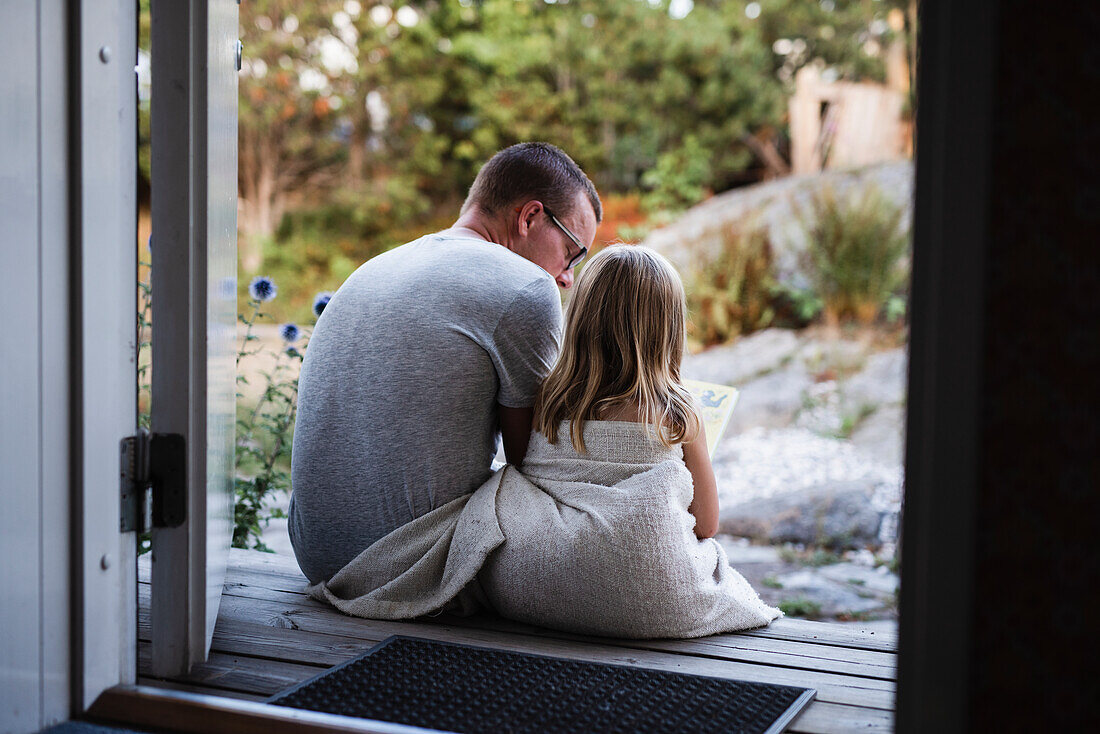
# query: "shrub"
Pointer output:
{"type": "Point", "coordinates": [731, 295]}
{"type": "Point", "coordinates": [679, 179]}
{"type": "Point", "coordinates": [263, 430]}
{"type": "Point", "coordinates": [855, 256]}
{"type": "Point", "coordinates": [800, 607]}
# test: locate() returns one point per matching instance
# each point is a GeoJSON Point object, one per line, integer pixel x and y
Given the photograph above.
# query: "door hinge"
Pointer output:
{"type": "Point", "coordinates": [152, 481]}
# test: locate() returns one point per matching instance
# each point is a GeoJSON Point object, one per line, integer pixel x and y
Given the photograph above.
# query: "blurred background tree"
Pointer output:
{"type": "Point", "coordinates": [363, 122]}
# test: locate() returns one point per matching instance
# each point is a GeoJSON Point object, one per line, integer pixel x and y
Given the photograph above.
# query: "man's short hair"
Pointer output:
{"type": "Point", "coordinates": [529, 171]}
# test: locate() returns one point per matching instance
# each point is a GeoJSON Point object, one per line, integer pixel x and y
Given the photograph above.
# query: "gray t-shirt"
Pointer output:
{"type": "Point", "coordinates": [398, 393]}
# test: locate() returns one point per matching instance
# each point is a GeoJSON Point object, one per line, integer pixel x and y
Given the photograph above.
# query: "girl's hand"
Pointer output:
{"type": "Point", "coordinates": [704, 503]}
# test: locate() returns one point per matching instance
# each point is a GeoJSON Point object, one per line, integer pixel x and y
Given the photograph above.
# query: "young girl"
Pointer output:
{"type": "Point", "coordinates": [620, 361]}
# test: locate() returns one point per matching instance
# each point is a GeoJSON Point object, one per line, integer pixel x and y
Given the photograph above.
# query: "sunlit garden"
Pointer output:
{"type": "Point", "coordinates": [763, 147]}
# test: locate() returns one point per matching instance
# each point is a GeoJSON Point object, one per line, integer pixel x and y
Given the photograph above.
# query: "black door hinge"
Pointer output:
{"type": "Point", "coordinates": [152, 481]}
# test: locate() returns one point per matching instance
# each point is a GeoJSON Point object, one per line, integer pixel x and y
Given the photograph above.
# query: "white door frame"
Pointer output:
{"type": "Point", "coordinates": [103, 343]}
{"type": "Point", "coordinates": [194, 208]}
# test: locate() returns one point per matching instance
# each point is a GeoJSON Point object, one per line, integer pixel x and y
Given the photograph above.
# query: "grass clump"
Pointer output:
{"type": "Point", "coordinates": [772, 582]}
{"type": "Point", "coordinates": [800, 607]}
{"type": "Point", "coordinates": [731, 295]}
{"type": "Point", "coordinates": [856, 254]}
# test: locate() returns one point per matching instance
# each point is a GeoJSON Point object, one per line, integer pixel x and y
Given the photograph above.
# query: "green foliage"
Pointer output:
{"type": "Point", "coordinates": [896, 308]}
{"type": "Point", "coordinates": [730, 295]}
{"type": "Point", "coordinates": [264, 430]}
{"type": "Point", "coordinates": [772, 582]}
{"type": "Point", "coordinates": [264, 433]}
{"type": "Point", "coordinates": [678, 180]}
{"type": "Point", "coordinates": [800, 306]}
{"type": "Point", "coordinates": [856, 248]}
{"type": "Point", "coordinates": [800, 607]}
{"type": "Point", "coordinates": [389, 108]}
{"type": "Point", "coordinates": [144, 367]}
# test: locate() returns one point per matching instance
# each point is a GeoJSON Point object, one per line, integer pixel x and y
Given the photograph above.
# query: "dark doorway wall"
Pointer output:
{"type": "Point", "coordinates": [1003, 486]}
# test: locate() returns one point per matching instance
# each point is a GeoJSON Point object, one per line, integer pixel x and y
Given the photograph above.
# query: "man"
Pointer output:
{"type": "Point", "coordinates": [429, 352]}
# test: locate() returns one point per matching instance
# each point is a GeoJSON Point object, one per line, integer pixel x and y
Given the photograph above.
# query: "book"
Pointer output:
{"type": "Point", "coordinates": [715, 403]}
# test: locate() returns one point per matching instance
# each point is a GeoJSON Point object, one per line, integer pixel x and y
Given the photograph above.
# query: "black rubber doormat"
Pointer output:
{"type": "Point", "coordinates": [463, 688]}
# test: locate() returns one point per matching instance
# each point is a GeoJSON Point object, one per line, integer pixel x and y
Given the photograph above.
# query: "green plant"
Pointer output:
{"type": "Point", "coordinates": [144, 362]}
{"type": "Point", "coordinates": [678, 180]}
{"type": "Point", "coordinates": [853, 617]}
{"type": "Point", "coordinates": [772, 582]}
{"type": "Point", "coordinates": [264, 431]}
{"type": "Point", "coordinates": [896, 308]}
{"type": "Point", "coordinates": [800, 607]}
{"type": "Point", "coordinates": [850, 422]}
{"type": "Point", "coordinates": [730, 295]}
{"type": "Point", "coordinates": [788, 554]}
{"type": "Point", "coordinates": [802, 305]}
{"type": "Point", "coordinates": [821, 557]}
{"type": "Point", "coordinates": [855, 252]}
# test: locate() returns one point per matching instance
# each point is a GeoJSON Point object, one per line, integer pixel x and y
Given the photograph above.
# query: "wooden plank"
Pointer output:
{"type": "Point", "coordinates": [245, 562]}
{"type": "Point", "coordinates": [851, 644]}
{"type": "Point", "coordinates": [256, 639]}
{"type": "Point", "coordinates": [831, 687]}
{"type": "Point", "coordinates": [776, 651]}
{"type": "Point", "coordinates": [832, 718]}
{"type": "Point", "coordinates": [243, 673]}
{"type": "Point", "coordinates": [827, 633]}
{"type": "Point", "coordinates": [779, 652]}
{"type": "Point", "coordinates": [172, 685]}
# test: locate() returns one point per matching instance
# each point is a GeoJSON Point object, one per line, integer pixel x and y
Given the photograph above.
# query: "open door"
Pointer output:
{"type": "Point", "coordinates": [195, 56]}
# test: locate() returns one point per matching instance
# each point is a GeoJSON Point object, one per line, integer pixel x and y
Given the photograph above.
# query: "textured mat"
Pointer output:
{"type": "Point", "coordinates": [462, 688]}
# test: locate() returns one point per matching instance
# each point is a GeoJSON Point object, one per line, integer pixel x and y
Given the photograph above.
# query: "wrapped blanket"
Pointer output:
{"type": "Point", "coordinates": [599, 543]}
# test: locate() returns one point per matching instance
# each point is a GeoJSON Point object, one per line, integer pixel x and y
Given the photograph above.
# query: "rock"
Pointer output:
{"type": "Point", "coordinates": [879, 579]}
{"type": "Point", "coordinates": [837, 514]}
{"type": "Point", "coordinates": [771, 401]}
{"type": "Point", "coordinates": [833, 598]}
{"type": "Point", "coordinates": [821, 410]}
{"type": "Point", "coordinates": [778, 207]}
{"type": "Point", "coordinates": [749, 357]}
{"type": "Point", "coordinates": [740, 551]}
{"type": "Point", "coordinates": [882, 435]}
{"type": "Point", "coordinates": [882, 381]}
{"type": "Point", "coordinates": [842, 355]}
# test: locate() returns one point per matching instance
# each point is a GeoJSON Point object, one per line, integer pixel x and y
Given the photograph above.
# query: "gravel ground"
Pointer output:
{"type": "Point", "coordinates": [763, 462]}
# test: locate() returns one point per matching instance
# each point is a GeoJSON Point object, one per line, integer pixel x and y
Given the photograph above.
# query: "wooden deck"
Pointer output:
{"type": "Point", "coordinates": [270, 635]}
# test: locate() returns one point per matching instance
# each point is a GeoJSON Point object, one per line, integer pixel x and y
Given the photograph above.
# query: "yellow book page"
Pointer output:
{"type": "Point", "coordinates": [715, 403]}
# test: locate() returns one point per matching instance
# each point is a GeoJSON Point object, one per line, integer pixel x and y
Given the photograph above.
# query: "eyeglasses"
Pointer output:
{"type": "Point", "coordinates": [576, 241]}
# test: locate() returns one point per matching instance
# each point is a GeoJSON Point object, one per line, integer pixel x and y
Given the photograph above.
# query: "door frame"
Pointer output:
{"type": "Point", "coordinates": [103, 340]}
{"type": "Point", "coordinates": [194, 210]}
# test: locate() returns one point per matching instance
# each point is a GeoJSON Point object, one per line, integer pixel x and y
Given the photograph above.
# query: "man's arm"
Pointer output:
{"type": "Point", "coordinates": [515, 430]}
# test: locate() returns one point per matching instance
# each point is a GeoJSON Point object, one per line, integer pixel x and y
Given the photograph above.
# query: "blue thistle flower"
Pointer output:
{"type": "Point", "coordinates": [320, 301]}
{"type": "Point", "coordinates": [289, 333]}
{"type": "Point", "coordinates": [262, 289]}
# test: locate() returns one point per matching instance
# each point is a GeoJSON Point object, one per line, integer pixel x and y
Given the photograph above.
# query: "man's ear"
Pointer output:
{"type": "Point", "coordinates": [525, 216]}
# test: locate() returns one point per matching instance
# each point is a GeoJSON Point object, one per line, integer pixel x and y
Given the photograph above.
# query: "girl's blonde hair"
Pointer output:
{"type": "Point", "coordinates": [624, 340]}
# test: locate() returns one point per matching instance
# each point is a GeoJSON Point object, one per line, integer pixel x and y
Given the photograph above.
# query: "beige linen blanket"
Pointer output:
{"type": "Point", "coordinates": [599, 543]}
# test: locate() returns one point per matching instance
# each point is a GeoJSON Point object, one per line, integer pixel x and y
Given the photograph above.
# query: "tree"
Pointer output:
{"type": "Point", "coordinates": [288, 137]}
